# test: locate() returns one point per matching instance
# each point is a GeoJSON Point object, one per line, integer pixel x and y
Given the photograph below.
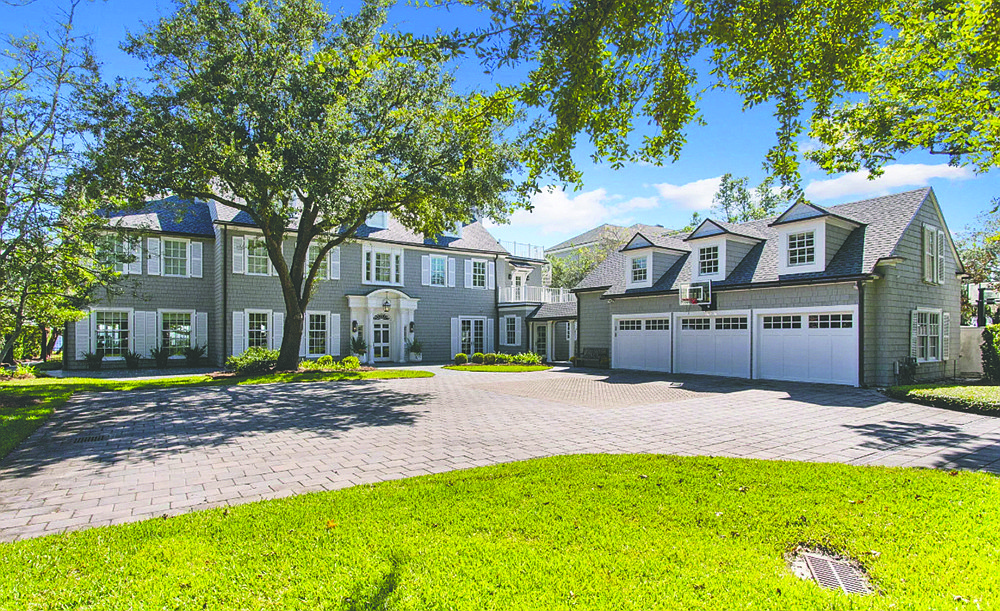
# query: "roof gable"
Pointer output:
{"type": "Point", "coordinates": [707, 229]}
{"type": "Point", "coordinates": [637, 241]}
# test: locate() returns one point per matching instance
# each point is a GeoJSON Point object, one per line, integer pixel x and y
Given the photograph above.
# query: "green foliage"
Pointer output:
{"type": "Point", "coordinates": [132, 360]}
{"type": "Point", "coordinates": [23, 372]}
{"type": "Point", "coordinates": [94, 360]}
{"type": "Point", "coordinates": [478, 358]}
{"type": "Point", "coordinates": [414, 346]}
{"type": "Point", "coordinates": [194, 354]}
{"type": "Point", "coordinates": [526, 358]}
{"type": "Point", "coordinates": [498, 368]}
{"type": "Point", "coordinates": [359, 345]}
{"type": "Point", "coordinates": [990, 349]}
{"type": "Point", "coordinates": [161, 355]}
{"type": "Point", "coordinates": [490, 359]}
{"type": "Point", "coordinates": [961, 397]}
{"type": "Point", "coordinates": [537, 533]}
{"type": "Point", "coordinates": [461, 358]}
{"type": "Point", "coordinates": [569, 270]}
{"type": "Point", "coordinates": [300, 121]}
{"type": "Point", "coordinates": [735, 203]}
{"type": "Point", "coordinates": [350, 363]}
{"type": "Point", "coordinates": [501, 358]}
{"type": "Point", "coordinates": [254, 360]}
{"type": "Point", "coordinates": [325, 361]}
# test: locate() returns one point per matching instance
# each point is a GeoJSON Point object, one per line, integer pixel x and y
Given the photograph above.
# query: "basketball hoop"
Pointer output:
{"type": "Point", "coordinates": [692, 300]}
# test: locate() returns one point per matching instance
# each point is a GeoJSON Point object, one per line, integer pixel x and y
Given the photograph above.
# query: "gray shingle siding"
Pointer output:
{"type": "Point", "coordinates": [735, 252]}
{"type": "Point", "coordinates": [595, 321]}
{"type": "Point", "coordinates": [835, 238]}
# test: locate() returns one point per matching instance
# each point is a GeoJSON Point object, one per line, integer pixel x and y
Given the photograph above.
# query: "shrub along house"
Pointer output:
{"type": "Point", "coordinates": [845, 295]}
{"type": "Point", "coordinates": [200, 276]}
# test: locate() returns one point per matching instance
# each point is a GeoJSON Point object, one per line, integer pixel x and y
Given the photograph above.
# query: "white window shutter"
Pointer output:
{"type": "Point", "coordinates": [490, 332]}
{"type": "Point", "coordinates": [333, 258]}
{"type": "Point", "coordinates": [303, 348]}
{"type": "Point", "coordinates": [153, 267]}
{"type": "Point", "coordinates": [239, 333]}
{"type": "Point", "coordinates": [135, 252]}
{"type": "Point", "coordinates": [152, 331]}
{"type": "Point", "coordinates": [278, 332]}
{"type": "Point", "coordinates": [913, 334]}
{"type": "Point", "coordinates": [929, 254]}
{"type": "Point", "coordinates": [425, 270]}
{"type": "Point", "coordinates": [200, 330]}
{"type": "Point", "coordinates": [83, 336]}
{"type": "Point", "coordinates": [491, 280]}
{"type": "Point", "coordinates": [517, 330]}
{"type": "Point", "coordinates": [503, 330]}
{"type": "Point", "coordinates": [456, 337]}
{"type": "Point", "coordinates": [451, 272]}
{"type": "Point", "coordinates": [333, 336]}
{"type": "Point", "coordinates": [270, 266]}
{"type": "Point", "coordinates": [239, 254]}
{"type": "Point", "coordinates": [945, 336]}
{"type": "Point", "coordinates": [196, 259]}
{"type": "Point", "coordinates": [139, 334]}
{"type": "Point", "coordinates": [940, 257]}
{"type": "Point", "coordinates": [468, 273]}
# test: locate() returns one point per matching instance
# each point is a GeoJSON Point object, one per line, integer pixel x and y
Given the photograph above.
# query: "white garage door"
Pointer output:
{"type": "Point", "coordinates": [641, 343]}
{"type": "Point", "coordinates": [808, 347]}
{"type": "Point", "coordinates": [717, 345]}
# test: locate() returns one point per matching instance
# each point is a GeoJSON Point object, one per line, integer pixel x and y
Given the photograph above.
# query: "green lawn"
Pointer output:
{"type": "Point", "coordinates": [26, 404]}
{"type": "Point", "coordinates": [588, 532]}
{"type": "Point", "coordinates": [964, 397]}
{"type": "Point", "coordinates": [501, 368]}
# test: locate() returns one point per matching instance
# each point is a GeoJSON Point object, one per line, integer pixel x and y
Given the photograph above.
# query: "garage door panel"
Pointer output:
{"type": "Point", "coordinates": [704, 347]}
{"type": "Point", "coordinates": [807, 347]}
{"type": "Point", "coordinates": [642, 343]}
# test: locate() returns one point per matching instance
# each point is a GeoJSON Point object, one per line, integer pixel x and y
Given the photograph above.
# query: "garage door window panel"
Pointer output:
{"type": "Point", "coordinates": [731, 323]}
{"type": "Point", "coordinates": [658, 324]}
{"type": "Point", "coordinates": [630, 325]}
{"type": "Point", "coordinates": [696, 324]}
{"type": "Point", "coordinates": [783, 322]}
{"type": "Point", "coordinates": [831, 321]}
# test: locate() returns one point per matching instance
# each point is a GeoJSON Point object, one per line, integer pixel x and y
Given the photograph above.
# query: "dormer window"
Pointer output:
{"type": "Point", "coordinates": [708, 260]}
{"type": "Point", "coordinates": [640, 273]}
{"type": "Point", "coordinates": [801, 248]}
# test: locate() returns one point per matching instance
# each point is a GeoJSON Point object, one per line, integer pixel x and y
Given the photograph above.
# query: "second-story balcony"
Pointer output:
{"type": "Point", "coordinates": [535, 294]}
{"type": "Point", "coordinates": [520, 249]}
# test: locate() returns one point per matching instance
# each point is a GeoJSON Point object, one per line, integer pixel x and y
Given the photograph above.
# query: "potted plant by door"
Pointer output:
{"type": "Point", "coordinates": [359, 347]}
{"type": "Point", "coordinates": [415, 350]}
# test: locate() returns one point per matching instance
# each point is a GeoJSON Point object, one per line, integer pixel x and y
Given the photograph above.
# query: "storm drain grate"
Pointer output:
{"type": "Point", "coordinates": [90, 439]}
{"type": "Point", "coordinates": [836, 574]}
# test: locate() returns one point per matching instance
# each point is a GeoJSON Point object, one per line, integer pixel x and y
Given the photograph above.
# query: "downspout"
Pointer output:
{"type": "Point", "coordinates": [225, 292]}
{"type": "Point", "coordinates": [861, 332]}
{"type": "Point", "coordinates": [496, 302]}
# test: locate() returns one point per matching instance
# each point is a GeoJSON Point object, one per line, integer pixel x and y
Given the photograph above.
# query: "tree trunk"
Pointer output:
{"type": "Point", "coordinates": [51, 345]}
{"type": "Point", "coordinates": [43, 344]}
{"type": "Point", "coordinates": [288, 357]}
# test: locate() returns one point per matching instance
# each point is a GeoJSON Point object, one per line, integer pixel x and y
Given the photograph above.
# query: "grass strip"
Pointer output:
{"type": "Point", "coordinates": [498, 368]}
{"type": "Point", "coordinates": [974, 398]}
{"type": "Point", "coordinates": [588, 532]}
{"type": "Point", "coordinates": [26, 404]}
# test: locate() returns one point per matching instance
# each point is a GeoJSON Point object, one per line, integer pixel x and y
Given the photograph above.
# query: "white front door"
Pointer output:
{"type": "Point", "coordinates": [811, 346]}
{"type": "Point", "coordinates": [641, 343]}
{"type": "Point", "coordinates": [380, 341]}
{"type": "Point", "coordinates": [717, 345]}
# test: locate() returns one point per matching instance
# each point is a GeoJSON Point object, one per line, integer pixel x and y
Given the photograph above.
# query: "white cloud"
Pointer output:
{"type": "Point", "coordinates": [695, 195]}
{"type": "Point", "coordinates": [896, 175]}
{"type": "Point", "coordinates": [556, 211]}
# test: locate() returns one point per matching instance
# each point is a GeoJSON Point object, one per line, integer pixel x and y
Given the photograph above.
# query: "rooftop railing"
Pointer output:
{"type": "Point", "coordinates": [535, 294]}
{"type": "Point", "coordinates": [520, 249]}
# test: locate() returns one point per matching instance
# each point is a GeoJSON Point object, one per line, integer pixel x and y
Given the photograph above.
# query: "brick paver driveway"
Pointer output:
{"type": "Point", "coordinates": [112, 458]}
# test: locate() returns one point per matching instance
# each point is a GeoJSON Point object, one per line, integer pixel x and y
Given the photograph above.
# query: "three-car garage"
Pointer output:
{"type": "Point", "coordinates": [811, 344]}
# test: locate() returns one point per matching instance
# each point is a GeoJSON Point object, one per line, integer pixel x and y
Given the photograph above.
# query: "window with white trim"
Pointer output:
{"type": "Point", "coordinates": [439, 270]}
{"type": "Point", "coordinates": [696, 324]}
{"type": "Point", "coordinates": [473, 335]}
{"type": "Point", "coordinates": [112, 249]}
{"type": "Point", "coordinates": [783, 322]}
{"type": "Point", "coordinates": [934, 245]}
{"type": "Point", "coordinates": [111, 332]}
{"type": "Point", "coordinates": [658, 324]}
{"type": "Point", "coordinates": [708, 260]}
{"type": "Point", "coordinates": [510, 330]}
{"type": "Point", "coordinates": [257, 260]}
{"type": "Point", "coordinates": [478, 274]}
{"type": "Point", "coordinates": [730, 323]}
{"type": "Point", "coordinates": [383, 266]}
{"type": "Point", "coordinates": [258, 327]}
{"type": "Point", "coordinates": [175, 332]}
{"type": "Point", "coordinates": [317, 334]}
{"type": "Point", "coordinates": [640, 273]}
{"type": "Point", "coordinates": [321, 271]}
{"type": "Point", "coordinates": [928, 336]}
{"type": "Point", "coordinates": [831, 321]}
{"type": "Point", "coordinates": [630, 325]}
{"type": "Point", "coordinates": [801, 248]}
{"type": "Point", "coordinates": [175, 254]}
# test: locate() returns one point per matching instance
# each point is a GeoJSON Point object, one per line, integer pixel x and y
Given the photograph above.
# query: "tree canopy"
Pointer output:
{"type": "Point", "coordinates": [309, 126]}
{"type": "Point", "coordinates": [735, 202]}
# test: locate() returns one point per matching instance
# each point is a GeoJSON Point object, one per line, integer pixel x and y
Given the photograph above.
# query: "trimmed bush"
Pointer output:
{"type": "Point", "coordinates": [254, 360]}
{"type": "Point", "coordinates": [461, 358]}
{"type": "Point", "coordinates": [490, 359]}
{"type": "Point", "coordinates": [526, 358]}
{"type": "Point", "coordinates": [350, 363]}
{"type": "Point", "coordinates": [478, 358]}
{"type": "Point", "coordinates": [991, 353]}
{"type": "Point", "coordinates": [325, 361]}
{"type": "Point", "coordinates": [502, 359]}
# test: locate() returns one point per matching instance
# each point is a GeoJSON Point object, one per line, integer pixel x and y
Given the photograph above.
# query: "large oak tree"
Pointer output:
{"type": "Point", "coordinates": [309, 126]}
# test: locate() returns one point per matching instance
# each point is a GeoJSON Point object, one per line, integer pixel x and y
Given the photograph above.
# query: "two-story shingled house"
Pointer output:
{"type": "Point", "coordinates": [838, 295]}
{"type": "Point", "coordinates": [201, 276]}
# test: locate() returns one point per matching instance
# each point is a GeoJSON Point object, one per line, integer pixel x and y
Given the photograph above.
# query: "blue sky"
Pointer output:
{"type": "Point", "coordinates": [732, 141]}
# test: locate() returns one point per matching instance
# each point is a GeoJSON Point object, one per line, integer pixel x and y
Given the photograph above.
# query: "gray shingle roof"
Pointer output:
{"type": "Point", "coordinates": [170, 215]}
{"type": "Point", "coordinates": [586, 237]}
{"type": "Point", "coordinates": [883, 219]}
{"type": "Point", "coordinates": [549, 311]}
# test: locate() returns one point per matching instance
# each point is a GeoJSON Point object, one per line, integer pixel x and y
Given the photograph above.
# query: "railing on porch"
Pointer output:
{"type": "Point", "coordinates": [535, 294]}
{"type": "Point", "coordinates": [518, 249]}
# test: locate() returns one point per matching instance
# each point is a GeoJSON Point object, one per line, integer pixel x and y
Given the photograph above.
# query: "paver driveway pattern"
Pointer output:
{"type": "Point", "coordinates": [117, 457]}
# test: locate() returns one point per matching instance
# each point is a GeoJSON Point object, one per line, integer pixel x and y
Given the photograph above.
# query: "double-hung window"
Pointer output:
{"type": "Point", "coordinates": [640, 271]}
{"type": "Point", "coordinates": [318, 332]}
{"type": "Point", "coordinates": [511, 330]}
{"type": "Point", "coordinates": [935, 245]}
{"type": "Point", "coordinates": [928, 335]}
{"type": "Point", "coordinates": [708, 260]}
{"type": "Point", "coordinates": [258, 327]}
{"type": "Point", "coordinates": [257, 261]}
{"type": "Point", "coordinates": [801, 248]}
{"type": "Point", "coordinates": [175, 257]}
{"type": "Point", "coordinates": [314, 250]}
{"type": "Point", "coordinates": [175, 332]}
{"type": "Point", "coordinates": [383, 266]}
{"type": "Point", "coordinates": [439, 271]}
{"type": "Point", "coordinates": [111, 332]}
{"type": "Point", "coordinates": [479, 274]}
{"type": "Point", "coordinates": [112, 249]}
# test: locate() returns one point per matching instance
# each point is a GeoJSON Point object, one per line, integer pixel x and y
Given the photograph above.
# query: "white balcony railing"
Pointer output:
{"type": "Point", "coordinates": [519, 249]}
{"type": "Point", "coordinates": [535, 294]}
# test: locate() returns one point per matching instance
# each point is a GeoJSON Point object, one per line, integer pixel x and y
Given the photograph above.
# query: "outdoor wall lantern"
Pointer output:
{"type": "Point", "coordinates": [354, 326]}
{"type": "Point", "coordinates": [411, 326]}
{"type": "Point", "coordinates": [386, 306]}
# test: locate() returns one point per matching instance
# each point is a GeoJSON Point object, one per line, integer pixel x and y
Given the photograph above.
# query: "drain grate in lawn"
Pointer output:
{"type": "Point", "coordinates": [831, 573]}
